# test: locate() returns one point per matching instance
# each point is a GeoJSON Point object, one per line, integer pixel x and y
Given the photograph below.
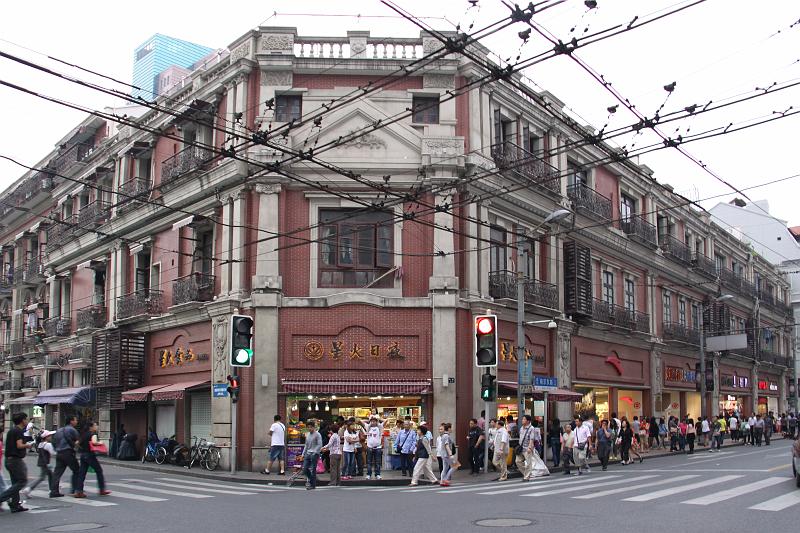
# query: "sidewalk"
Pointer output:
{"type": "Point", "coordinates": [389, 478]}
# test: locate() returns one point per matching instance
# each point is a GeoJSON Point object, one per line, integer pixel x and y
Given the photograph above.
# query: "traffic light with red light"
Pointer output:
{"type": "Point", "coordinates": [486, 340]}
{"type": "Point", "coordinates": [233, 388]}
{"type": "Point", "coordinates": [241, 335]}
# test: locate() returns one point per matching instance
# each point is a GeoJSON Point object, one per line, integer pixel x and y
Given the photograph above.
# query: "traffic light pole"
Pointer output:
{"type": "Point", "coordinates": [233, 427]}
{"type": "Point", "coordinates": [486, 434]}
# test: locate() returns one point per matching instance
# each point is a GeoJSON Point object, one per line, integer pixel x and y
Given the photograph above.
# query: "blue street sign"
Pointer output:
{"type": "Point", "coordinates": [527, 372]}
{"type": "Point", "coordinates": [220, 390]}
{"type": "Point", "coordinates": [545, 382]}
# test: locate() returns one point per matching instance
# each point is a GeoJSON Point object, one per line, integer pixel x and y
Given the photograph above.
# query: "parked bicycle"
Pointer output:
{"type": "Point", "coordinates": [165, 452]}
{"type": "Point", "coordinates": [206, 454]}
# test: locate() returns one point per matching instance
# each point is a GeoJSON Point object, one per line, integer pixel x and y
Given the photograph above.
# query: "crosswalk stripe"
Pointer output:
{"type": "Point", "coordinates": [599, 483]}
{"type": "Point", "coordinates": [780, 503]}
{"type": "Point", "coordinates": [736, 491]}
{"type": "Point", "coordinates": [238, 486]}
{"type": "Point", "coordinates": [537, 485]}
{"type": "Point", "coordinates": [160, 491]}
{"type": "Point", "coordinates": [78, 501]}
{"type": "Point", "coordinates": [633, 487]}
{"type": "Point", "coordinates": [137, 497]}
{"type": "Point", "coordinates": [179, 486]}
{"type": "Point", "coordinates": [675, 490]}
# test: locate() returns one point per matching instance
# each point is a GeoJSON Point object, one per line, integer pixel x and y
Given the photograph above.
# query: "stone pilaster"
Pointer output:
{"type": "Point", "coordinates": [656, 380]}
{"type": "Point", "coordinates": [266, 303]}
{"type": "Point", "coordinates": [715, 395]}
{"type": "Point", "coordinates": [562, 363]}
{"type": "Point", "coordinates": [220, 312]}
{"type": "Point", "coordinates": [754, 389]}
{"type": "Point", "coordinates": [267, 271]}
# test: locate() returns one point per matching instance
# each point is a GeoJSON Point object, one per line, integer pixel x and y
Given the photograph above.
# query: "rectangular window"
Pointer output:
{"type": "Point", "coordinates": [577, 176]}
{"type": "Point", "coordinates": [682, 312]}
{"type": "Point", "coordinates": [288, 107]}
{"type": "Point", "coordinates": [608, 287]}
{"type": "Point", "coordinates": [529, 259]}
{"type": "Point", "coordinates": [667, 304]}
{"type": "Point", "coordinates": [630, 295]}
{"type": "Point", "coordinates": [695, 316]}
{"type": "Point", "coordinates": [719, 261]}
{"type": "Point", "coordinates": [627, 207]}
{"type": "Point", "coordinates": [203, 250]}
{"type": "Point", "coordinates": [498, 254]}
{"type": "Point", "coordinates": [142, 277]}
{"type": "Point", "coordinates": [426, 109]}
{"type": "Point", "coordinates": [356, 249]}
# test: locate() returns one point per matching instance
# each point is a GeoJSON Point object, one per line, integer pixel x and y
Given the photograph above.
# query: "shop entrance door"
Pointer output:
{"type": "Point", "coordinates": [200, 425]}
{"type": "Point", "coordinates": [165, 420]}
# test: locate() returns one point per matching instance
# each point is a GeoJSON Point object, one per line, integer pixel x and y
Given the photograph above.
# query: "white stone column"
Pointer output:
{"type": "Point", "coordinates": [267, 270]}
{"type": "Point", "coordinates": [562, 362]}
{"type": "Point", "coordinates": [238, 251]}
{"type": "Point", "coordinates": [220, 313]}
{"type": "Point", "coordinates": [265, 370]}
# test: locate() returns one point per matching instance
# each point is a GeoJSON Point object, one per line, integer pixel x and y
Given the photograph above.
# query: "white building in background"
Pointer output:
{"type": "Point", "coordinates": [769, 237]}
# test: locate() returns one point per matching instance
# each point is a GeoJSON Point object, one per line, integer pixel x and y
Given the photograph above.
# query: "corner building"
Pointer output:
{"type": "Point", "coordinates": [134, 248]}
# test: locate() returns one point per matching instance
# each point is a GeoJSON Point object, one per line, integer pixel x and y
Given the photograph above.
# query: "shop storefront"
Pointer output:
{"type": "Point", "coordinates": [611, 378]}
{"type": "Point", "coordinates": [176, 396]}
{"type": "Point", "coordinates": [64, 402]}
{"type": "Point", "coordinates": [679, 396]}
{"type": "Point", "coordinates": [768, 393]}
{"type": "Point", "coordinates": [735, 390]}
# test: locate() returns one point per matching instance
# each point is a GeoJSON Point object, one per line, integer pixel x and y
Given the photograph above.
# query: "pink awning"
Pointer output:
{"type": "Point", "coordinates": [340, 386]}
{"type": "Point", "coordinates": [140, 394]}
{"type": "Point", "coordinates": [176, 391]}
{"type": "Point", "coordinates": [557, 395]}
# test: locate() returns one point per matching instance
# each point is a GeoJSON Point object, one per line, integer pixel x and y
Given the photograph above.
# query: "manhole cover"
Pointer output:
{"type": "Point", "coordinates": [504, 522]}
{"type": "Point", "coordinates": [75, 527]}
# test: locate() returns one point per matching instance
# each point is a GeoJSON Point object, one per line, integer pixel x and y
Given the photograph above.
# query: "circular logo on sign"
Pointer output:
{"type": "Point", "coordinates": [313, 351]}
{"type": "Point", "coordinates": [636, 405]}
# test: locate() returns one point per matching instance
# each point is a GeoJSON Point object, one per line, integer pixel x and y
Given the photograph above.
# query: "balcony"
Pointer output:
{"type": "Point", "coordinates": [6, 284]}
{"type": "Point", "coordinates": [704, 265]}
{"type": "Point", "coordinates": [747, 288]}
{"type": "Point", "coordinates": [768, 356]}
{"type": "Point", "coordinates": [81, 355]}
{"type": "Point", "coordinates": [133, 189]}
{"type": "Point", "coordinates": [673, 331]}
{"type": "Point", "coordinates": [196, 287]}
{"type": "Point", "coordinates": [91, 317]}
{"type": "Point", "coordinates": [767, 299]}
{"type": "Point", "coordinates": [748, 352]}
{"type": "Point", "coordinates": [730, 279]}
{"type": "Point", "coordinates": [30, 273]}
{"type": "Point", "coordinates": [60, 232]}
{"type": "Point", "coordinates": [187, 160]}
{"type": "Point", "coordinates": [139, 303]}
{"type": "Point", "coordinates": [73, 157]}
{"type": "Point", "coordinates": [521, 164]}
{"type": "Point", "coordinates": [11, 385]}
{"type": "Point", "coordinates": [57, 327]}
{"type": "Point", "coordinates": [590, 201]}
{"type": "Point", "coordinates": [38, 182]}
{"type": "Point", "coordinates": [31, 383]}
{"type": "Point", "coordinates": [619, 316]}
{"type": "Point", "coordinates": [503, 284]}
{"type": "Point", "coordinates": [91, 216]}
{"type": "Point", "coordinates": [675, 249]}
{"type": "Point", "coordinates": [636, 227]}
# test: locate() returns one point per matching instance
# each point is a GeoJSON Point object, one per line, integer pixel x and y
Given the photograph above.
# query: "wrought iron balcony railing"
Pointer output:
{"type": "Point", "coordinates": [31, 382]}
{"type": "Point", "coordinates": [747, 288]}
{"type": "Point", "coordinates": [590, 201]}
{"type": "Point", "coordinates": [77, 153]}
{"type": "Point", "coordinates": [81, 354]}
{"type": "Point", "coordinates": [503, 284]}
{"type": "Point", "coordinates": [189, 159]}
{"type": "Point", "coordinates": [704, 265]}
{"type": "Point", "coordinates": [675, 249]}
{"type": "Point", "coordinates": [91, 317]}
{"type": "Point", "coordinates": [60, 232]}
{"type": "Point", "coordinates": [767, 299]}
{"type": "Point", "coordinates": [619, 316]}
{"type": "Point", "coordinates": [91, 216]}
{"type": "Point", "coordinates": [11, 385]}
{"type": "Point", "coordinates": [58, 327]}
{"type": "Point", "coordinates": [30, 273]}
{"type": "Point", "coordinates": [521, 164]}
{"type": "Point", "coordinates": [142, 302]}
{"type": "Point", "coordinates": [641, 230]}
{"type": "Point", "coordinates": [132, 190]}
{"type": "Point", "coordinates": [730, 279]}
{"type": "Point", "coordinates": [196, 287]}
{"type": "Point", "coordinates": [675, 331]}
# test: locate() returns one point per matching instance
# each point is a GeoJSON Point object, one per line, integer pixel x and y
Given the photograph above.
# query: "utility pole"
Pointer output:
{"type": "Point", "coordinates": [520, 329]}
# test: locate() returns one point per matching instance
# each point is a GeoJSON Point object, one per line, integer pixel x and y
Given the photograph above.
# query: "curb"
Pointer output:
{"type": "Point", "coordinates": [279, 480]}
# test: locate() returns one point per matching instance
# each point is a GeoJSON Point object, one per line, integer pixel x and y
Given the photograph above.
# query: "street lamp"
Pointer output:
{"type": "Point", "coordinates": [556, 215]}
{"type": "Point", "coordinates": [721, 298]}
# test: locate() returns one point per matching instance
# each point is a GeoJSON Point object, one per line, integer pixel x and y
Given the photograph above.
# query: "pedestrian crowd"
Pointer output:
{"type": "Point", "coordinates": [68, 446]}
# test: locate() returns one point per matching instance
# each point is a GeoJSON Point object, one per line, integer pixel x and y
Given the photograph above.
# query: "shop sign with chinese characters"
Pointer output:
{"type": "Point", "coordinates": [679, 375]}
{"type": "Point", "coordinates": [337, 350]}
{"type": "Point", "coordinates": [734, 381]}
{"type": "Point", "coordinates": [508, 353]}
{"type": "Point", "coordinates": [169, 358]}
{"type": "Point", "coordinates": [767, 385]}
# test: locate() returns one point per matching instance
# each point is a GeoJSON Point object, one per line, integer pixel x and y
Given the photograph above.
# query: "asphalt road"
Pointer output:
{"type": "Point", "coordinates": [738, 489]}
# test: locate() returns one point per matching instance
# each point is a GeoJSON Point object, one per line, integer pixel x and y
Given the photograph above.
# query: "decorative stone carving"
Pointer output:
{"type": "Point", "coordinates": [220, 341]}
{"type": "Point", "coordinates": [240, 52]}
{"type": "Point", "coordinates": [267, 188]}
{"type": "Point", "coordinates": [277, 43]}
{"type": "Point", "coordinates": [370, 141]}
{"type": "Point", "coordinates": [564, 362]}
{"type": "Point", "coordinates": [358, 47]}
{"type": "Point", "coordinates": [443, 146]}
{"type": "Point", "coordinates": [271, 78]}
{"type": "Point", "coordinates": [439, 81]}
{"type": "Point", "coordinates": [430, 45]}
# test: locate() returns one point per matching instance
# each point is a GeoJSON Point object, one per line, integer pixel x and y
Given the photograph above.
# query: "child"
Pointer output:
{"type": "Point", "coordinates": [46, 451]}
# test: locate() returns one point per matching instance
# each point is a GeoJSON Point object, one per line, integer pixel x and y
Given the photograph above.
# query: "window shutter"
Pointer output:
{"type": "Point", "coordinates": [577, 279]}
{"type": "Point", "coordinates": [385, 241]}
{"type": "Point", "coordinates": [498, 129]}
{"type": "Point", "coordinates": [526, 139]}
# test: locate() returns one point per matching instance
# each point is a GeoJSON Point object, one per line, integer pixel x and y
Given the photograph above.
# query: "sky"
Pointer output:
{"type": "Point", "coordinates": [715, 50]}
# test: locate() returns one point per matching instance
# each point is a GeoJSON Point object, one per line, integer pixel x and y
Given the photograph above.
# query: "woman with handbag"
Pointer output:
{"type": "Point", "coordinates": [423, 465]}
{"type": "Point", "coordinates": [89, 447]}
{"type": "Point", "coordinates": [446, 452]}
{"type": "Point", "coordinates": [625, 441]}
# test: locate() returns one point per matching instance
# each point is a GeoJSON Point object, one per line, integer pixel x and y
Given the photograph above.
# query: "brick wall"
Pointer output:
{"type": "Point", "coordinates": [417, 239]}
{"type": "Point", "coordinates": [295, 262]}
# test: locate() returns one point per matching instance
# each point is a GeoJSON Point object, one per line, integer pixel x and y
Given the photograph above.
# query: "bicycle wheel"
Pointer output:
{"type": "Point", "coordinates": [212, 459]}
{"type": "Point", "coordinates": [161, 455]}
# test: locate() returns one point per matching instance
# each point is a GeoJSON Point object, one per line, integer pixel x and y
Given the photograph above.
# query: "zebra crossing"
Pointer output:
{"type": "Point", "coordinates": [635, 487]}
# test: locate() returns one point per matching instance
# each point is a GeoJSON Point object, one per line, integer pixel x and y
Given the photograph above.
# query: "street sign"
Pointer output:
{"type": "Point", "coordinates": [545, 383]}
{"type": "Point", "coordinates": [527, 372]}
{"type": "Point", "coordinates": [726, 342]}
{"type": "Point", "coordinates": [220, 390]}
{"type": "Point", "coordinates": [526, 389]}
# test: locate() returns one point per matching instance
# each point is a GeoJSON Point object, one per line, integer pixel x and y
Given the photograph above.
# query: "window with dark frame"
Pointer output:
{"type": "Point", "coordinates": [498, 254]}
{"type": "Point", "coordinates": [695, 316]}
{"type": "Point", "coordinates": [682, 312]}
{"type": "Point", "coordinates": [608, 287]}
{"type": "Point", "coordinates": [577, 176]}
{"type": "Point", "coordinates": [667, 306]}
{"type": "Point", "coordinates": [288, 107]}
{"type": "Point", "coordinates": [627, 207]}
{"type": "Point", "coordinates": [356, 249]}
{"type": "Point", "coordinates": [425, 109]}
{"type": "Point", "coordinates": [630, 295]}
{"type": "Point", "coordinates": [529, 263]}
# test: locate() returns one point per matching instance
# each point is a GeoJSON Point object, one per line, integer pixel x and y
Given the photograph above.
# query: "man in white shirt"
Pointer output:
{"type": "Point", "coordinates": [501, 450]}
{"type": "Point", "coordinates": [583, 436]}
{"type": "Point", "coordinates": [733, 425]}
{"type": "Point", "coordinates": [524, 459]}
{"type": "Point", "coordinates": [277, 445]}
{"type": "Point", "coordinates": [374, 433]}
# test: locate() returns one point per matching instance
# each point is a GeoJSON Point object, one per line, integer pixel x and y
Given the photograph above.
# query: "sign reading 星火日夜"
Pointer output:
{"type": "Point", "coordinates": [337, 349]}
{"type": "Point", "coordinates": [508, 353]}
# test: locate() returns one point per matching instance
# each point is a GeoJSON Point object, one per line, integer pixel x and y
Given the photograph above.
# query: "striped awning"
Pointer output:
{"type": "Point", "coordinates": [177, 391]}
{"type": "Point", "coordinates": [340, 386]}
{"type": "Point", "coordinates": [140, 394]}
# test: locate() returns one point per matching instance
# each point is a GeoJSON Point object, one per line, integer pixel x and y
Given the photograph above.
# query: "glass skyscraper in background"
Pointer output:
{"type": "Point", "coordinates": [157, 54]}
